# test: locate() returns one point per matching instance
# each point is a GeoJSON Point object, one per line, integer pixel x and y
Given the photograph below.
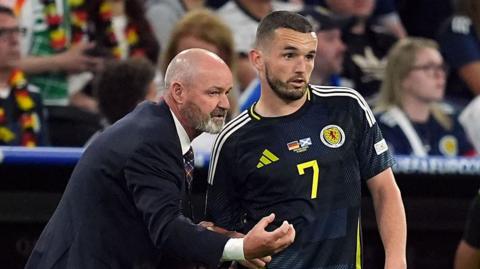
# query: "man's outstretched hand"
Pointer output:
{"type": "Point", "coordinates": [260, 243]}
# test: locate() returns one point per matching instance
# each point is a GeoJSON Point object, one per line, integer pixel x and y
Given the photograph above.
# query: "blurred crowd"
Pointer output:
{"type": "Point", "coordinates": [70, 68]}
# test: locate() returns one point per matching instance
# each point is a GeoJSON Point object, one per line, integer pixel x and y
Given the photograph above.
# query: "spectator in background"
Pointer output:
{"type": "Point", "coordinates": [424, 17]}
{"type": "Point", "coordinates": [385, 13]}
{"type": "Point", "coordinates": [61, 51]}
{"type": "Point", "coordinates": [367, 45]}
{"type": "Point", "coordinates": [468, 250]}
{"type": "Point", "coordinates": [53, 50]}
{"type": "Point", "coordinates": [132, 34]}
{"type": "Point", "coordinates": [164, 14]}
{"type": "Point", "coordinates": [243, 17]}
{"type": "Point", "coordinates": [330, 47]}
{"type": "Point", "coordinates": [21, 109]}
{"type": "Point", "coordinates": [122, 85]}
{"type": "Point", "coordinates": [203, 29]}
{"type": "Point", "coordinates": [459, 40]}
{"type": "Point", "coordinates": [413, 119]}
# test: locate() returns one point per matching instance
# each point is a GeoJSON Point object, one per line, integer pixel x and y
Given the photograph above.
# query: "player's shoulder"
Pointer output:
{"type": "Point", "coordinates": [342, 98]}
{"type": "Point", "coordinates": [336, 94]}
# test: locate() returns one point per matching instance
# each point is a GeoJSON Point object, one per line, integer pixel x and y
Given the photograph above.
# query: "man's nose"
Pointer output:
{"type": "Point", "coordinates": [223, 102]}
{"type": "Point", "coordinates": [301, 65]}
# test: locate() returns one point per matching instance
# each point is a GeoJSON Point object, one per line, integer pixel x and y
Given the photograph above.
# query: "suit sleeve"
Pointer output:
{"type": "Point", "coordinates": [154, 176]}
{"type": "Point", "coordinates": [223, 202]}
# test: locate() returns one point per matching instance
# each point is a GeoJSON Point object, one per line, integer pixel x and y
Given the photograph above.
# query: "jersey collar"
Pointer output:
{"type": "Point", "coordinates": [256, 116]}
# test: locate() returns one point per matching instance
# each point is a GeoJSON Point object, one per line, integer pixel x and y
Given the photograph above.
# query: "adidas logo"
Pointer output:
{"type": "Point", "coordinates": [267, 158]}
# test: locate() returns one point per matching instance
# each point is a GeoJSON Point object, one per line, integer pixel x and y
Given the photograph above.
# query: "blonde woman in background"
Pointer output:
{"type": "Point", "coordinates": [203, 29]}
{"type": "Point", "coordinates": [412, 116]}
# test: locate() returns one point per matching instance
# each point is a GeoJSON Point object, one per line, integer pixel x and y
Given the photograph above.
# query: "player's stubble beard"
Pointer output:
{"type": "Point", "coordinates": [205, 122]}
{"type": "Point", "coordinates": [282, 90]}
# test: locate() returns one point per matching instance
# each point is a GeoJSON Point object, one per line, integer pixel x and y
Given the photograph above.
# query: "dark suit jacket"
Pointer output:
{"type": "Point", "coordinates": [121, 207]}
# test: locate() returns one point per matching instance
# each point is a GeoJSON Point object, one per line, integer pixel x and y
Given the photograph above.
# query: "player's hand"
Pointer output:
{"type": "Point", "coordinates": [260, 243]}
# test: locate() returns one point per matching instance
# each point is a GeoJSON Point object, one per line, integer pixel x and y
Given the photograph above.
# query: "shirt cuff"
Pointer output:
{"type": "Point", "coordinates": [233, 250]}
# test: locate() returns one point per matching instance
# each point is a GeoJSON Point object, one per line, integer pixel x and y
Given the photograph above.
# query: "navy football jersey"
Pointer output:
{"type": "Point", "coordinates": [307, 168]}
{"type": "Point", "coordinates": [432, 136]}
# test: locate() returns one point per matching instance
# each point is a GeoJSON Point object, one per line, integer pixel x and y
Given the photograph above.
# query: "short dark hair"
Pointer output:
{"type": "Point", "coordinates": [6, 10]}
{"type": "Point", "coordinates": [281, 19]}
{"type": "Point", "coordinates": [122, 85]}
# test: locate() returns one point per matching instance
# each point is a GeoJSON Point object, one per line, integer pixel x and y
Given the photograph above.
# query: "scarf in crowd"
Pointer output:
{"type": "Point", "coordinates": [79, 24]}
{"type": "Point", "coordinates": [24, 113]}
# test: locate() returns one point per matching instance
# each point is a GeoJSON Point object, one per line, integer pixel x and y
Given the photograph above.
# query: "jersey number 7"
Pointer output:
{"type": "Point", "coordinates": [316, 172]}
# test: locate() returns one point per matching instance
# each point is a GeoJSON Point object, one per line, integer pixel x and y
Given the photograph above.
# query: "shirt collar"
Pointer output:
{"type": "Point", "coordinates": [182, 134]}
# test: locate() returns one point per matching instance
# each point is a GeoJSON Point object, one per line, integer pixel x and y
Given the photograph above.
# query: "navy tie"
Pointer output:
{"type": "Point", "coordinates": [189, 164]}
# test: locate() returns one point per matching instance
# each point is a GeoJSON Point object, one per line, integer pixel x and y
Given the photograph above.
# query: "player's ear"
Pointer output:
{"type": "Point", "coordinates": [256, 59]}
{"type": "Point", "coordinates": [178, 92]}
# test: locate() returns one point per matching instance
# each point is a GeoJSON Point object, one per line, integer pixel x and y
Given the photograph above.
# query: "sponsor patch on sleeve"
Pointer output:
{"type": "Point", "coordinates": [381, 147]}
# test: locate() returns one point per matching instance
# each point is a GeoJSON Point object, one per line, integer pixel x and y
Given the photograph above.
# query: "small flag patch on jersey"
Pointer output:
{"type": "Point", "coordinates": [305, 142]}
{"type": "Point", "coordinates": [293, 145]}
{"type": "Point", "coordinates": [381, 147]}
{"type": "Point", "coordinates": [299, 145]}
{"type": "Point", "coordinates": [267, 158]}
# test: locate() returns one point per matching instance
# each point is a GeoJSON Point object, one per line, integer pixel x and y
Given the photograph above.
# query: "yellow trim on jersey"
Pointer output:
{"type": "Point", "coordinates": [252, 112]}
{"type": "Point", "coordinates": [358, 260]}
{"type": "Point", "coordinates": [308, 93]}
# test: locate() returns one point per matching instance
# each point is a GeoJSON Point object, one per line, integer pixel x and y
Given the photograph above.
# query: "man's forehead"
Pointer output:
{"type": "Point", "coordinates": [284, 36]}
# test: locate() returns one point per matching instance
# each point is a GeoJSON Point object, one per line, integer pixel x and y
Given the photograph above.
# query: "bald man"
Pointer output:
{"type": "Point", "coordinates": [123, 205]}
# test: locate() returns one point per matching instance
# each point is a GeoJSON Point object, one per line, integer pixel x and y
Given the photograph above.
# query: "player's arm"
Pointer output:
{"type": "Point", "coordinates": [391, 219]}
